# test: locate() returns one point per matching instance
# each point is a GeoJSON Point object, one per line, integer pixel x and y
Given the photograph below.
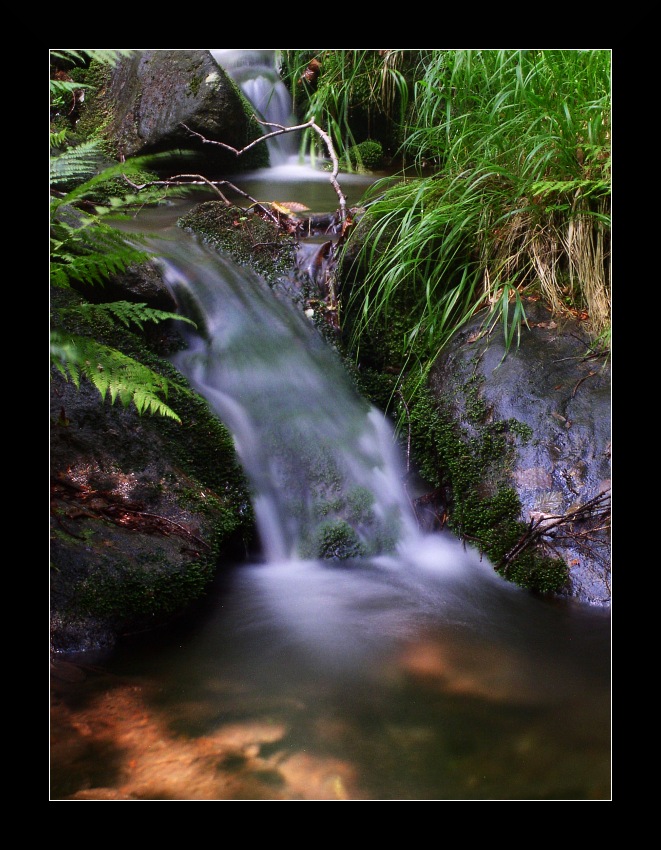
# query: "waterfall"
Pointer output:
{"type": "Point", "coordinates": [325, 471]}
{"type": "Point", "coordinates": [255, 72]}
{"type": "Point", "coordinates": [321, 460]}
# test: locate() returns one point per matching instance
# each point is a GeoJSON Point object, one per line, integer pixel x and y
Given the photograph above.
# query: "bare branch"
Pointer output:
{"type": "Point", "coordinates": [328, 142]}
{"type": "Point", "coordinates": [200, 180]}
{"type": "Point", "coordinates": [400, 395]}
{"type": "Point", "coordinates": [598, 507]}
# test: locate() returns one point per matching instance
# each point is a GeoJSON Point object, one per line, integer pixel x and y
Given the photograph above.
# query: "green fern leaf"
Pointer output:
{"type": "Point", "coordinates": [65, 86]}
{"type": "Point", "coordinates": [128, 312]}
{"type": "Point", "coordinates": [103, 56]}
{"type": "Point", "coordinates": [115, 375]}
{"type": "Point", "coordinates": [80, 162]}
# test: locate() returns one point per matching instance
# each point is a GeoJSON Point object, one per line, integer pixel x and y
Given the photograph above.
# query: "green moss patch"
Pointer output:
{"type": "Point", "coordinates": [247, 237]}
{"type": "Point", "coordinates": [468, 468]}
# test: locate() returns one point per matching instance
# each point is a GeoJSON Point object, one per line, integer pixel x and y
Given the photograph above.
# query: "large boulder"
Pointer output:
{"type": "Point", "coordinates": [142, 104]}
{"type": "Point", "coordinates": [555, 389]}
{"type": "Point", "coordinates": [144, 510]}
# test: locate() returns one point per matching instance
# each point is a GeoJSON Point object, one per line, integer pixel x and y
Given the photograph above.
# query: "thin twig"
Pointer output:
{"type": "Point", "coordinates": [408, 437]}
{"type": "Point", "coordinates": [578, 384]}
{"type": "Point", "coordinates": [328, 142]}
{"type": "Point", "coordinates": [120, 507]}
{"type": "Point", "coordinates": [541, 526]}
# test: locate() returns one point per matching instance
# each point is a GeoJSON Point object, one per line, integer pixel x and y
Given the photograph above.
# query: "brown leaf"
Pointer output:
{"type": "Point", "coordinates": [290, 206]}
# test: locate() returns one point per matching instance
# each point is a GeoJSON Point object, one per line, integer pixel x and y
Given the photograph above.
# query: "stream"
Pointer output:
{"type": "Point", "coordinates": [409, 674]}
{"type": "Point", "coordinates": [407, 671]}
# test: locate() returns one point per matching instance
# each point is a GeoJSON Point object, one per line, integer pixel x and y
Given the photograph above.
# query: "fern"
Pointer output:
{"type": "Point", "coordinates": [89, 253]}
{"type": "Point", "coordinates": [86, 249]}
{"type": "Point", "coordinates": [67, 86]}
{"type": "Point", "coordinates": [115, 375]}
{"type": "Point", "coordinates": [80, 162]}
{"type": "Point", "coordinates": [57, 139]}
{"type": "Point", "coordinates": [104, 56]}
{"type": "Point", "coordinates": [127, 312]}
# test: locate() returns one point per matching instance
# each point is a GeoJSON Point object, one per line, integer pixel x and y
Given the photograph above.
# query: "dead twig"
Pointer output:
{"type": "Point", "coordinates": [201, 180]}
{"type": "Point", "coordinates": [539, 527]}
{"type": "Point", "coordinates": [280, 129]}
{"type": "Point", "coordinates": [103, 504]}
{"type": "Point", "coordinates": [584, 378]}
{"type": "Point", "coordinates": [400, 395]}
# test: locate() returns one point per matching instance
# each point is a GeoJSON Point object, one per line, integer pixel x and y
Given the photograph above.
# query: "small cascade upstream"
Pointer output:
{"type": "Point", "coordinates": [255, 73]}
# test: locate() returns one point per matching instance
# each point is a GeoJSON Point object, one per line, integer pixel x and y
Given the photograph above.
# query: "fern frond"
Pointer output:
{"type": "Point", "coordinates": [103, 56]}
{"type": "Point", "coordinates": [127, 312]}
{"type": "Point", "coordinates": [57, 139]}
{"type": "Point", "coordinates": [115, 375]}
{"type": "Point", "coordinates": [76, 160]}
{"type": "Point", "coordinates": [79, 162]}
{"type": "Point", "coordinates": [67, 86]}
{"type": "Point", "coordinates": [90, 252]}
{"type": "Point", "coordinates": [93, 268]}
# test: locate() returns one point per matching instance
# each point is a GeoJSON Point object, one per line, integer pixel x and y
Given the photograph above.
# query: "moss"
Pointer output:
{"type": "Point", "coordinates": [466, 466]}
{"type": "Point", "coordinates": [117, 187]}
{"type": "Point", "coordinates": [194, 84]}
{"type": "Point", "coordinates": [143, 595]}
{"type": "Point", "coordinates": [368, 155]}
{"type": "Point", "coordinates": [334, 540]}
{"type": "Point", "coordinates": [96, 113]}
{"type": "Point", "coordinates": [249, 239]}
{"type": "Point", "coordinates": [202, 446]}
{"type": "Point", "coordinates": [378, 387]}
{"type": "Point", "coordinates": [469, 469]}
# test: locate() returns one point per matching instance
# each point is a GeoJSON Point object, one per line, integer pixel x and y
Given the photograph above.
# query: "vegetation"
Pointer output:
{"type": "Point", "coordinates": [510, 193]}
{"type": "Point", "coordinates": [87, 249]}
{"type": "Point", "coordinates": [503, 192]}
{"type": "Point", "coordinates": [356, 95]}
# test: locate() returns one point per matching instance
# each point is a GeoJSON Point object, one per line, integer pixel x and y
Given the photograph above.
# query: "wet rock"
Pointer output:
{"type": "Point", "coordinates": [557, 386]}
{"type": "Point", "coordinates": [150, 96]}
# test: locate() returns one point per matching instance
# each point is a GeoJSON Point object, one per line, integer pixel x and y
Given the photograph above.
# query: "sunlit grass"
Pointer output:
{"type": "Point", "coordinates": [341, 89]}
{"type": "Point", "coordinates": [519, 201]}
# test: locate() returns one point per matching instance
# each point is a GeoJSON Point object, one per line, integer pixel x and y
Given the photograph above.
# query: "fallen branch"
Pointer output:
{"type": "Point", "coordinates": [328, 142]}
{"type": "Point", "coordinates": [539, 527]}
{"type": "Point", "coordinates": [115, 509]}
{"type": "Point", "coordinates": [200, 180]}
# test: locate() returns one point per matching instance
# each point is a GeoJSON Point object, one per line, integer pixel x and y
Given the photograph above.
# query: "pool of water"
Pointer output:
{"type": "Point", "coordinates": [419, 678]}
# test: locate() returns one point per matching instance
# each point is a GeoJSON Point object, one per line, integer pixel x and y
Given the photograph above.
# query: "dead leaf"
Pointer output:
{"type": "Point", "coordinates": [287, 207]}
{"type": "Point", "coordinates": [293, 206]}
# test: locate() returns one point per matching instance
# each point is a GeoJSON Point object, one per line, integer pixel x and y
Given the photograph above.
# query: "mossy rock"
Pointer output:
{"type": "Point", "coordinates": [247, 237]}
{"type": "Point", "coordinates": [366, 156]}
{"type": "Point", "coordinates": [334, 540]}
{"type": "Point", "coordinates": [144, 510]}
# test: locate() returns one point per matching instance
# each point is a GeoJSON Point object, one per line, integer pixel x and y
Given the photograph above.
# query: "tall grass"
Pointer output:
{"type": "Point", "coordinates": [353, 94]}
{"type": "Point", "coordinates": [519, 201]}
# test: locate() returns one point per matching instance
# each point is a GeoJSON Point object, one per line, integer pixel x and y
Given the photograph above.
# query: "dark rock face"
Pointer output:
{"type": "Point", "coordinates": [136, 537]}
{"type": "Point", "coordinates": [143, 510]}
{"type": "Point", "coordinates": [152, 94]}
{"type": "Point", "coordinates": [556, 386]}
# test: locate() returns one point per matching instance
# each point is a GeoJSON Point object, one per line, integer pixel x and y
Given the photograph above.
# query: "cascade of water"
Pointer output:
{"type": "Point", "coordinates": [322, 462]}
{"type": "Point", "coordinates": [327, 480]}
{"type": "Point", "coordinates": [256, 74]}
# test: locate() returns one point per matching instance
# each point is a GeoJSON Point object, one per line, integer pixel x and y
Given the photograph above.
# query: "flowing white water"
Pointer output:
{"type": "Point", "coordinates": [326, 476]}
{"type": "Point", "coordinates": [410, 671]}
{"type": "Point", "coordinates": [256, 74]}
